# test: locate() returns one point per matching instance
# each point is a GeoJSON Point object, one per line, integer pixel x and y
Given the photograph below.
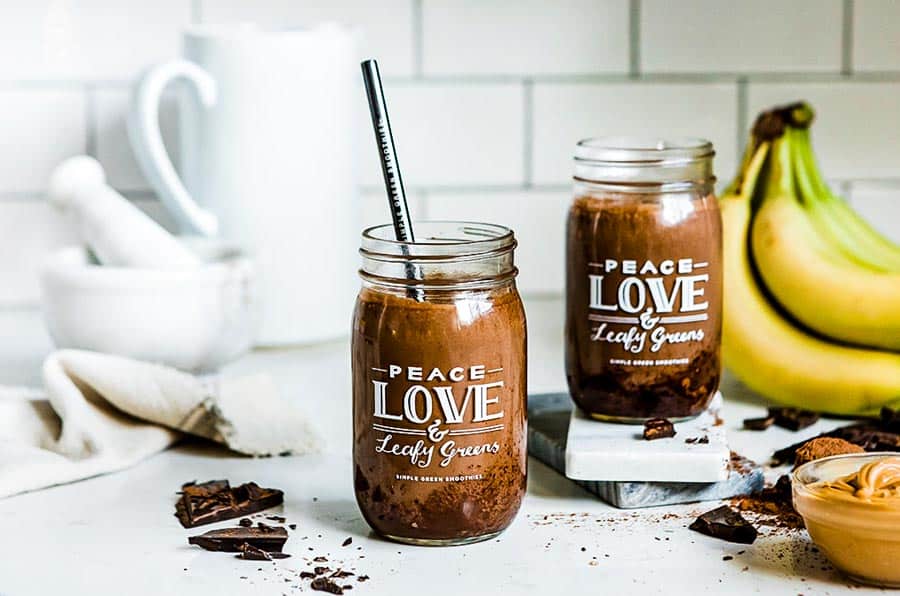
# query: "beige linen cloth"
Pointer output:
{"type": "Point", "coordinates": [100, 413]}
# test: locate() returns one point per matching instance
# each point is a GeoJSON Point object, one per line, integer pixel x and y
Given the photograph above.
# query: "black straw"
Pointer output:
{"type": "Point", "coordinates": [390, 169]}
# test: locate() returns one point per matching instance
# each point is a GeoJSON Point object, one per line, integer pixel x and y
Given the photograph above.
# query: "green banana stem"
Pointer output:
{"type": "Point", "coordinates": [780, 181]}
{"type": "Point", "coordinates": [807, 163]}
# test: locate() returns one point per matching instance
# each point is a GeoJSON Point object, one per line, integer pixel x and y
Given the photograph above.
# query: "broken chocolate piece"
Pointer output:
{"type": "Point", "coordinates": [307, 575]}
{"type": "Point", "coordinates": [292, 526]}
{"type": "Point", "coordinates": [362, 578]}
{"type": "Point", "coordinates": [658, 428]}
{"type": "Point", "coordinates": [758, 423]}
{"type": "Point", "coordinates": [252, 553]}
{"type": "Point", "coordinates": [217, 501]}
{"type": "Point", "coordinates": [347, 542]}
{"type": "Point", "coordinates": [793, 418]}
{"type": "Point", "coordinates": [323, 584]}
{"type": "Point", "coordinates": [231, 539]}
{"type": "Point", "coordinates": [725, 524]}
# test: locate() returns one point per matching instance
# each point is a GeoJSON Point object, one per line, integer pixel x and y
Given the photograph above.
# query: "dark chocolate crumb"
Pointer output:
{"type": "Point", "coordinates": [347, 542]}
{"type": "Point", "coordinates": [246, 523]}
{"type": "Point", "coordinates": [320, 559]}
{"type": "Point", "coordinates": [292, 526]}
{"type": "Point", "coordinates": [727, 558]}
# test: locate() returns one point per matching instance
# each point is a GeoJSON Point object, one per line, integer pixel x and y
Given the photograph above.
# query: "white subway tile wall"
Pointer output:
{"type": "Point", "coordinates": [741, 36]}
{"type": "Point", "coordinates": [876, 35]}
{"type": "Point", "coordinates": [525, 37]}
{"type": "Point", "coordinates": [487, 97]}
{"type": "Point", "coordinates": [567, 112]}
{"type": "Point", "coordinates": [79, 40]}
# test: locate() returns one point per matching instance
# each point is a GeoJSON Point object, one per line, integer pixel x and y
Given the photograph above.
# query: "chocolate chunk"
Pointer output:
{"type": "Point", "coordinates": [793, 418]}
{"type": "Point", "coordinates": [217, 501]}
{"type": "Point", "coordinates": [658, 428]}
{"type": "Point", "coordinates": [292, 526]}
{"type": "Point", "coordinates": [307, 575]}
{"type": "Point", "coordinates": [246, 523]}
{"type": "Point", "coordinates": [322, 570]}
{"type": "Point", "coordinates": [231, 539]}
{"type": "Point", "coordinates": [362, 578]}
{"type": "Point", "coordinates": [323, 584]}
{"type": "Point", "coordinates": [758, 423]}
{"type": "Point", "coordinates": [704, 440]}
{"type": "Point", "coordinates": [251, 553]}
{"type": "Point", "coordinates": [726, 524]}
{"type": "Point", "coordinates": [347, 542]}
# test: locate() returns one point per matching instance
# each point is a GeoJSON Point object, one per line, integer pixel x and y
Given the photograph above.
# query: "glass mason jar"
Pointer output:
{"type": "Point", "coordinates": [643, 279]}
{"type": "Point", "coordinates": [439, 394]}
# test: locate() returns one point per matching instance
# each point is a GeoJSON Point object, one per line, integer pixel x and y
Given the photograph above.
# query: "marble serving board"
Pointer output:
{"type": "Point", "coordinates": [549, 416]}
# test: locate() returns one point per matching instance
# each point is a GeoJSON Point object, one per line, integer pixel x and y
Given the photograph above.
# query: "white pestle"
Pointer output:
{"type": "Point", "coordinates": [116, 231]}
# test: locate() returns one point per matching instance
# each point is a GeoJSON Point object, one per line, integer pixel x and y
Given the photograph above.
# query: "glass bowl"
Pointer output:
{"type": "Point", "coordinates": [861, 538]}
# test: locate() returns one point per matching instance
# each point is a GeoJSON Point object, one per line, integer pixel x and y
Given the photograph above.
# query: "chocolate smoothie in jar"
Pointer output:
{"type": "Point", "coordinates": [643, 279]}
{"type": "Point", "coordinates": [439, 395]}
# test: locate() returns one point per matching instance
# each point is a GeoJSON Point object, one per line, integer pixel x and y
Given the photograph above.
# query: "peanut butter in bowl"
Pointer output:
{"type": "Point", "coordinates": [851, 506]}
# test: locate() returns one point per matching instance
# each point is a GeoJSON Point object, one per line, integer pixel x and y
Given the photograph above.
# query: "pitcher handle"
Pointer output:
{"type": "Point", "coordinates": [147, 142]}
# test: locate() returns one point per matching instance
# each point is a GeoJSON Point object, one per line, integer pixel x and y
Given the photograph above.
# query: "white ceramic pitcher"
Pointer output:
{"type": "Point", "coordinates": [268, 162]}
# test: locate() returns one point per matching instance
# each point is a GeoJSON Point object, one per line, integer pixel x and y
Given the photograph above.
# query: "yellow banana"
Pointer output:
{"type": "Point", "coordinates": [775, 358]}
{"type": "Point", "coordinates": [811, 277]}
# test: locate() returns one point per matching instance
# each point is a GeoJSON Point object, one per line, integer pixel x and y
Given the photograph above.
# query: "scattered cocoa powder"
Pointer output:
{"type": "Point", "coordinates": [823, 447]}
{"type": "Point", "coordinates": [772, 507]}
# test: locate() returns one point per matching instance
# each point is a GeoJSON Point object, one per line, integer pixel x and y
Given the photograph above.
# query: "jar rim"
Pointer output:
{"type": "Point", "coordinates": [637, 151]}
{"type": "Point", "coordinates": [438, 239]}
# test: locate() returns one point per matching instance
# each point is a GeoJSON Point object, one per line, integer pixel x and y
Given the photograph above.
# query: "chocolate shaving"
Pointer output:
{"type": "Point", "coordinates": [232, 539]}
{"type": "Point", "coordinates": [216, 501]}
{"type": "Point", "coordinates": [658, 428]}
{"type": "Point", "coordinates": [725, 524]}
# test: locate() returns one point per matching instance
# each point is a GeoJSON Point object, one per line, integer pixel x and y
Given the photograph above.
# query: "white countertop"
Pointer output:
{"type": "Point", "coordinates": [117, 534]}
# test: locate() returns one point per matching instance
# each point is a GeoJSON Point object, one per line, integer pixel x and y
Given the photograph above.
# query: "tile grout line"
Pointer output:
{"type": "Point", "coordinates": [847, 38]}
{"type": "Point", "coordinates": [527, 132]}
{"type": "Point", "coordinates": [634, 39]}
{"type": "Point", "coordinates": [196, 11]}
{"type": "Point", "coordinates": [90, 120]}
{"type": "Point", "coordinates": [742, 107]}
{"type": "Point", "coordinates": [418, 33]}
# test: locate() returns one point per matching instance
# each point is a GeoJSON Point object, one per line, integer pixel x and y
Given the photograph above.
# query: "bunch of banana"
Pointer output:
{"type": "Point", "coordinates": [812, 292]}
